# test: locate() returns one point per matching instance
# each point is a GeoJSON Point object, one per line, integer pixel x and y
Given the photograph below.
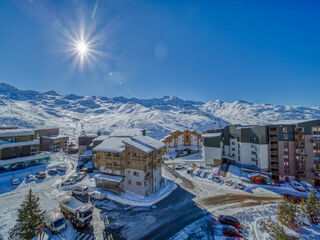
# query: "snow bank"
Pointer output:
{"type": "Point", "coordinates": [136, 200]}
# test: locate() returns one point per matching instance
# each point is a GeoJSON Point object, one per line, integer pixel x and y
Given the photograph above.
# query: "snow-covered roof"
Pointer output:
{"type": "Point", "coordinates": [212, 134]}
{"type": "Point", "coordinates": [194, 148]}
{"type": "Point", "coordinates": [23, 159]}
{"type": "Point", "coordinates": [16, 132]}
{"type": "Point", "coordinates": [117, 144]}
{"type": "Point", "coordinates": [55, 136]}
{"type": "Point", "coordinates": [154, 143]}
{"type": "Point", "coordinates": [114, 145]}
{"type": "Point", "coordinates": [138, 145]}
{"type": "Point", "coordinates": [17, 144]}
{"type": "Point", "coordinates": [107, 177]}
{"type": "Point", "coordinates": [100, 138]}
{"type": "Point", "coordinates": [257, 174]}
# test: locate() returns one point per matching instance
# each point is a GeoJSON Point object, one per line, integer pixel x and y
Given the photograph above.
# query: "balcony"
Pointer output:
{"type": "Point", "coordinates": [316, 170]}
{"type": "Point", "coordinates": [274, 145]}
{"type": "Point", "coordinates": [273, 138]}
{"type": "Point", "coordinates": [299, 137]}
{"type": "Point", "coordinates": [300, 153]}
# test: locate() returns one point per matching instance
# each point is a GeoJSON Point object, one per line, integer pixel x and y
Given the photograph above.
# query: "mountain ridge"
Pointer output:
{"type": "Point", "coordinates": [75, 114]}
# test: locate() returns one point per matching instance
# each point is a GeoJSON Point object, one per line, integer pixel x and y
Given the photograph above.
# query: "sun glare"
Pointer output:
{"type": "Point", "coordinates": [82, 47]}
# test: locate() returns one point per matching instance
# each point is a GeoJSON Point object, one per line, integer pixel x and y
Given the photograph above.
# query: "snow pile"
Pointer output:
{"type": "Point", "coordinates": [136, 200]}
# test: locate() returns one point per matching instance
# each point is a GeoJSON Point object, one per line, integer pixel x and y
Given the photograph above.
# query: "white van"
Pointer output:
{"type": "Point", "coordinates": [54, 221]}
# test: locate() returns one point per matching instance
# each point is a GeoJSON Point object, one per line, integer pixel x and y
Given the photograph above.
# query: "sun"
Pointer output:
{"type": "Point", "coordinates": [82, 48]}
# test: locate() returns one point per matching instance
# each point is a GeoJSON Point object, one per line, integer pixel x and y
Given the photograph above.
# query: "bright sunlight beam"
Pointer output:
{"type": "Point", "coordinates": [82, 47]}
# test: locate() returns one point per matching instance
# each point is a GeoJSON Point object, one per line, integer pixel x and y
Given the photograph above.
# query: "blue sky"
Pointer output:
{"type": "Point", "coordinates": [259, 51]}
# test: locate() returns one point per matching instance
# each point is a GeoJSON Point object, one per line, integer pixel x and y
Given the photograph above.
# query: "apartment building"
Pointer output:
{"type": "Point", "coordinates": [130, 163]}
{"type": "Point", "coordinates": [242, 145]}
{"type": "Point", "coordinates": [187, 140]}
{"type": "Point", "coordinates": [295, 150]}
{"type": "Point", "coordinates": [19, 149]}
{"type": "Point", "coordinates": [51, 140]}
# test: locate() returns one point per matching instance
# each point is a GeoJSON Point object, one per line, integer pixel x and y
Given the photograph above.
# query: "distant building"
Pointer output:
{"type": "Point", "coordinates": [288, 149]}
{"type": "Point", "coordinates": [51, 140]}
{"type": "Point", "coordinates": [130, 163]}
{"type": "Point", "coordinates": [187, 140]}
{"type": "Point", "coordinates": [84, 142]}
{"type": "Point", "coordinates": [19, 149]}
{"type": "Point", "coordinates": [243, 145]}
{"type": "Point", "coordinates": [8, 128]}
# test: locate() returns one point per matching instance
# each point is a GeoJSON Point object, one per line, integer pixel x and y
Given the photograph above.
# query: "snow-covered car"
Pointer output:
{"type": "Point", "coordinates": [297, 186]}
{"type": "Point", "coordinates": [77, 176]}
{"type": "Point", "coordinates": [189, 170]}
{"type": "Point", "coordinates": [52, 171]}
{"type": "Point", "coordinates": [68, 181]}
{"type": "Point", "coordinates": [41, 174]}
{"type": "Point", "coordinates": [216, 179]}
{"type": "Point", "coordinates": [86, 170]}
{"type": "Point", "coordinates": [179, 167]}
{"type": "Point", "coordinates": [96, 195]}
{"type": "Point", "coordinates": [203, 174]}
{"type": "Point", "coordinates": [62, 168]}
{"type": "Point", "coordinates": [307, 185]}
{"type": "Point", "coordinates": [239, 185]}
{"type": "Point", "coordinates": [15, 181]}
{"type": "Point", "coordinates": [30, 178]}
{"type": "Point", "coordinates": [80, 190]}
{"type": "Point", "coordinates": [210, 176]}
{"type": "Point", "coordinates": [196, 171]}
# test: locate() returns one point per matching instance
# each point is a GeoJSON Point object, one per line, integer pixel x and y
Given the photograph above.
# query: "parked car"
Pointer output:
{"type": "Point", "coordinates": [196, 171]}
{"type": "Point", "coordinates": [210, 176]}
{"type": "Point", "coordinates": [239, 185]}
{"type": "Point", "coordinates": [86, 170]}
{"type": "Point", "coordinates": [77, 176]}
{"type": "Point", "coordinates": [297, 186]}
{"type": "Point", "coordinates": [80, 190]}
{"type": "Point", "coordinates": [41, 174]}
{"type": "Point", "coordinates": [62, 168]}
{"type": "Point", "coordinates": [96, 195]}
{"type": "Point", "coordinates": [269, 182]}
{"type": "Point", "coordinates": [231, 231]}
{"type": "Point", "coordinates": [179, 167]}
{"type": "Point", "coordinates": [15, 181]}
{"type": "Point", "coordinates": [30, 178]}
{"type": "Point", "coordinates": [229, 220]}
{"type": "Point", "coordinates": [228, 182]}
{"type": "Point", "coordinates": [216, 179]}
{"type": "Point", "coordinates": [68, 182]}
{"type": "Point", "coordinates": [52, 171]}
{"type": "Point", "coordinates": [203, 174]}
{"type": "Point", "coordinates": [189, 170]}
{"type": "Point", "coordinates": [307, 185]}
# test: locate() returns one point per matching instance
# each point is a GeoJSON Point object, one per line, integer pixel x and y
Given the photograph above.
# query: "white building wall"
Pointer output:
{"type": "Point", "coordinates": [210, 153]}
{"type": "Point", "coordinates": [245, 154]}
{"type": "Point", "coordinates": [194, 140]}
{"type": "Point", "coordinates": [263, 156]}
{"type": "Point", "coordinates": [133, 187]}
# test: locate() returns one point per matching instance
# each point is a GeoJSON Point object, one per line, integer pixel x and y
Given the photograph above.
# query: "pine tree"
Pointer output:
{"type": "Point", "coordinates": [277, 232]}
{"type": "Point", "coordinates": [287, 213]}
{"type": "Point", "coordinates": [29, 219]}
{"type": "Point", "coordinates": [312, 208]}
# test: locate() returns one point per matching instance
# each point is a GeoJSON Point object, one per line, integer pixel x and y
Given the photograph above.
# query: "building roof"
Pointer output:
{"type": "Point", "coordinates": [114, 144]}
{"type": "Point", "coordinates": [138, 145]}
{"type": "Point", "coordinates": [290, 122]}
{"type": "Point", "coordinates": [16, 132]}
{"type": "Point", "coordinates": [151, 142]}
{"type": "Point", "coordinates": [212, 134]}
{"type": "Point", "coordinates": [17, 144]}
{"type": "Point", "coordinates": [107, 177]}
{"type": "Point", "coordinates": [117, 144]}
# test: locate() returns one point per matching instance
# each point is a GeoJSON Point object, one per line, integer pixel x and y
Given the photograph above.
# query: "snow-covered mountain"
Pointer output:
{"type": "Point", "coordinates": [75, 114]}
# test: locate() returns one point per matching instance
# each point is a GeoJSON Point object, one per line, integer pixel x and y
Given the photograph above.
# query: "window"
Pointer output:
{"type": "Point", "coordinates": [138, 183]}
{"type": "Point", "coordinates": [136, 174]}
{"type": "Point", "coordinates": [129, 182]}
{"type": "Point", "coordinates": [285, 136]}
{"type": "Point", "coordinates": [285, 129]}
